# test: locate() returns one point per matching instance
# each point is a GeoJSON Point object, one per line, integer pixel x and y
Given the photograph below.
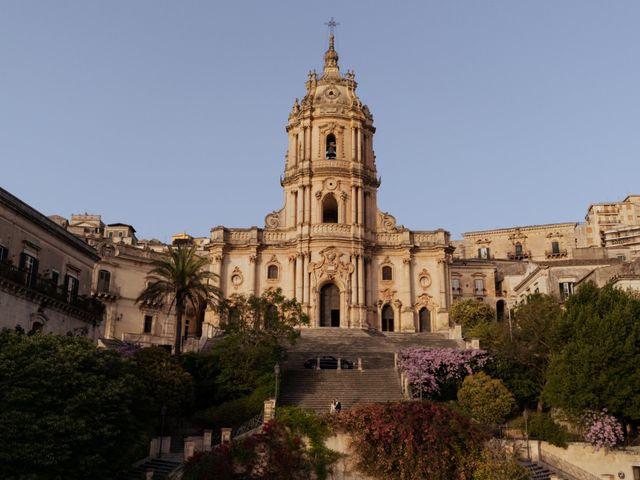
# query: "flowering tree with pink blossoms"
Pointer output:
{"type": "Point", "coordinates": [431, 371]}
{"type": "Point", "coordinates": [602, 430]}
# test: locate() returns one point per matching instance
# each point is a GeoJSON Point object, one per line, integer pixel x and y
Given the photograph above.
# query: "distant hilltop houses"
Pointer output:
{"type": "Point", "coordinates": [349, 264]}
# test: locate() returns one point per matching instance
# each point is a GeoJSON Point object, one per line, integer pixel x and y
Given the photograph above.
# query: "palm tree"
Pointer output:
{"type": "Point", "coordinates": [181, 276]}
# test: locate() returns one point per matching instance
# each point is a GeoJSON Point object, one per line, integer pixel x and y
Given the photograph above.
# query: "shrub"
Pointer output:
{"type": "Point", "coordinates": [237, 410]}
{"type": "Point", "coordinates": [602, 430]}
{"type": "Point", "coordinates": [542, 427]}
{"type": "Point", "coordinates": [412, 440]}
{"type": "Point", "coordinates": [313, 427]}
{"type": "Point", "coordinates": [485, 399]}
{"type": "Point", "coordinates": [274, 453]}
{"type": "Point", "coordinates": [471, 313]}
{"type": "Point", "coordinates": [495, 463]}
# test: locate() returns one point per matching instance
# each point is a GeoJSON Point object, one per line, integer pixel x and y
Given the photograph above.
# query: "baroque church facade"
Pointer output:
{"type": "Point", "coordinates": [348, 263]}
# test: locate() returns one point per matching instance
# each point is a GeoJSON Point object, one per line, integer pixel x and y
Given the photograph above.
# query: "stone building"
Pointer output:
{"type": "Point", "coordinates": [349, 263]}
{"type": "Point", "coordinates": [537, 243]}
{"type": "Point", "coordinates": [45, 274]}
{"type": "Point", "coordinates": [609, 217]}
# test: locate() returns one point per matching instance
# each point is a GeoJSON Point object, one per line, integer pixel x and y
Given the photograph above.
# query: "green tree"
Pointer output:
{"type": "Point", "coordinates": [485, 399]}
{"type": "Point", "coordinates": [257, 331]}
{"type": "Point", "coordinates": [165, 381]}
{"type": "Point", "coordinates": [471, 314]}
{"type": "Point", "coordinates": [68, 410]}
{"type": "Point", "coordinates": [182, 277]}
{"type": "Point", "coordinates": [598, 366]}
{"type": "Point", "coordinates": [521, 349]}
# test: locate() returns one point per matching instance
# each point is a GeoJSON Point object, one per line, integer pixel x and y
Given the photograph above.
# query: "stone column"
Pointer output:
{"type": "Point", "coordinates": [359, 145]}
{"type": "Point", "coordinates": [206, 440]}
{"type": "Point", "coordinates": [299, 202]}
{"type": "Point", "coordinates": [308, 143]}
{"type": "Point", "coordinates": [305, 278]}
{"type": "Point", "coordinates": [360, 279]}
{"type": "Point", "coordinates": [360, 206]}
{"type": "Point", "coordinates": [298, 278]}
{"type": "Point", "coordinates": [253, 265]}
{"type": "Point", "coordinates": [292, 277]}
{"type": "Point", "coordinates": [269, 412]}
{"type": "Point", "coordinates": [353, 144]}
{"type": "Point", "coordinates": [225, 435]}
{"type": "Point", "coordinates": [407, 301]}
{"type": "Point", "coordinates": [308, 205]}
{"type": "Point", "coordinates": [353, 204]}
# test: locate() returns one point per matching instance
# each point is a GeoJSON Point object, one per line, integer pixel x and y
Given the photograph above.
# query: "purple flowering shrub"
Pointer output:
{"type": "Point", "coordinates": [602, 430]}
{"type": "Point", "coordinates": [430, 370]}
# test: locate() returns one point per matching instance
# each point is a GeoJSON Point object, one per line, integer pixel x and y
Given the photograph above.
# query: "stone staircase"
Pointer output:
{"type": "Point", "coordinates": [378, 381]}
{"type": "Point", "coordinates": [161, 467]}
{"type": "Point", "coordinates": [315, 389]}
{"type": "Point", "coordinates": [540, 472]}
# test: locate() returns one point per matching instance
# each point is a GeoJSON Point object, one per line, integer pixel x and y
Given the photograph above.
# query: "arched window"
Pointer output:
{"type": "Point", "coordinates": [387, 273]}
{"type": "Point", "coordinates": [387, 318]}
{"type": "Point", "coordinates": [272, 272]}
{"type": "Point", "coordinates": [104, 279]}
{"type": "Point", "coordinates": [329, 209]}
{"type": "Point", "coordinates": [331, 147]}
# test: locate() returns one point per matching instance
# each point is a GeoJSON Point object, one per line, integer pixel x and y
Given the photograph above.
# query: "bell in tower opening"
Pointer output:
{"type": "Point", "coordinates": [331, 147]}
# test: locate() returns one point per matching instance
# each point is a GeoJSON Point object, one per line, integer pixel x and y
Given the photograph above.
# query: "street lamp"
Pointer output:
{"type": "Point", "coordinates": [525, 414]}
{"type": "Point", "coordinates": [163, 413]}
{"type": "Point", "coordinates": [276, 369]}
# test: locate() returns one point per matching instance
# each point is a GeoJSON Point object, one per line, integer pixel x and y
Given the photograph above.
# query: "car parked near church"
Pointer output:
{"type": "Point", "coordinates": [327, 362]}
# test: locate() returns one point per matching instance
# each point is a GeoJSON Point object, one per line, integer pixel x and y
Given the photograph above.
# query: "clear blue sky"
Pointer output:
{"type": "Point", "coordinates": [170, 115]}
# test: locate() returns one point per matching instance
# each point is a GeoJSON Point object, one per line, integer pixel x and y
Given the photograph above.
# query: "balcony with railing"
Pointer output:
{"type": "Point", "coordinates": [44, 291]}
{"type": "Point", "coordinates": [562, 253]}
{"type": "Point", "coordinates": [519, 255]}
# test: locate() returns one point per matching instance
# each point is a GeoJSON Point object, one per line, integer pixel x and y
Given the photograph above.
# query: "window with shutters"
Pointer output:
{"type": "Point", "coordinates": [104, 279]}
{"type": "Point", "coordinates": [71, 287]}
{"type": "Point", "coordinates": [566, 289]}
{"type": "Point", "coordinates": [4, 253]}
{"type": "Point", "coordinates": [29, 266]}
{"type": "Point", "coordinates": [455, 287]}
{"type": "Point", "coordinates": [483, 252]}
{"type": "Point", "coordinates": [479, 286]}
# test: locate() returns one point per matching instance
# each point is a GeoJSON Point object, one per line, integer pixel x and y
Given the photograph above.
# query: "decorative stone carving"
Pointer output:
{"type": "Point", "coordinates": [424, 279]}
{"type": "Point", "coordinates": [386, 296]}
{"type": "Point", "coordinates": [387, 222]}
{"type": "Point", "coordinates": [272, 220]}
{"type": "Point", "coordinates": [332, 266]}
{"type": "Point", "coordinates": [252, 258]}
{"type": "Point", "coordinates": [331, 183]}
{"type": "Point", "coordinates": [236, 278]}
{"type": "Point", "coordinates": [425, 300]}
{"type": "Point", "coordinates": [318, 194]}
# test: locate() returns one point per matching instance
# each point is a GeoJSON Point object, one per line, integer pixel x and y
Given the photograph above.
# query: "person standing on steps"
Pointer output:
{"type": "Point", "coordinates": [332, 408]}
{"type": "Point", "coordinates": [338, 406]}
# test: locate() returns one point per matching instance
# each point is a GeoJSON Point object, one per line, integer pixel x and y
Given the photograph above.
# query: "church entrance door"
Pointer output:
{"type": "Point", "coordinates": [387, 318]}
{"type": "Point", "coordinates": [329, 306]}
{"type": "Point", "coordinates": [425, 320]}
